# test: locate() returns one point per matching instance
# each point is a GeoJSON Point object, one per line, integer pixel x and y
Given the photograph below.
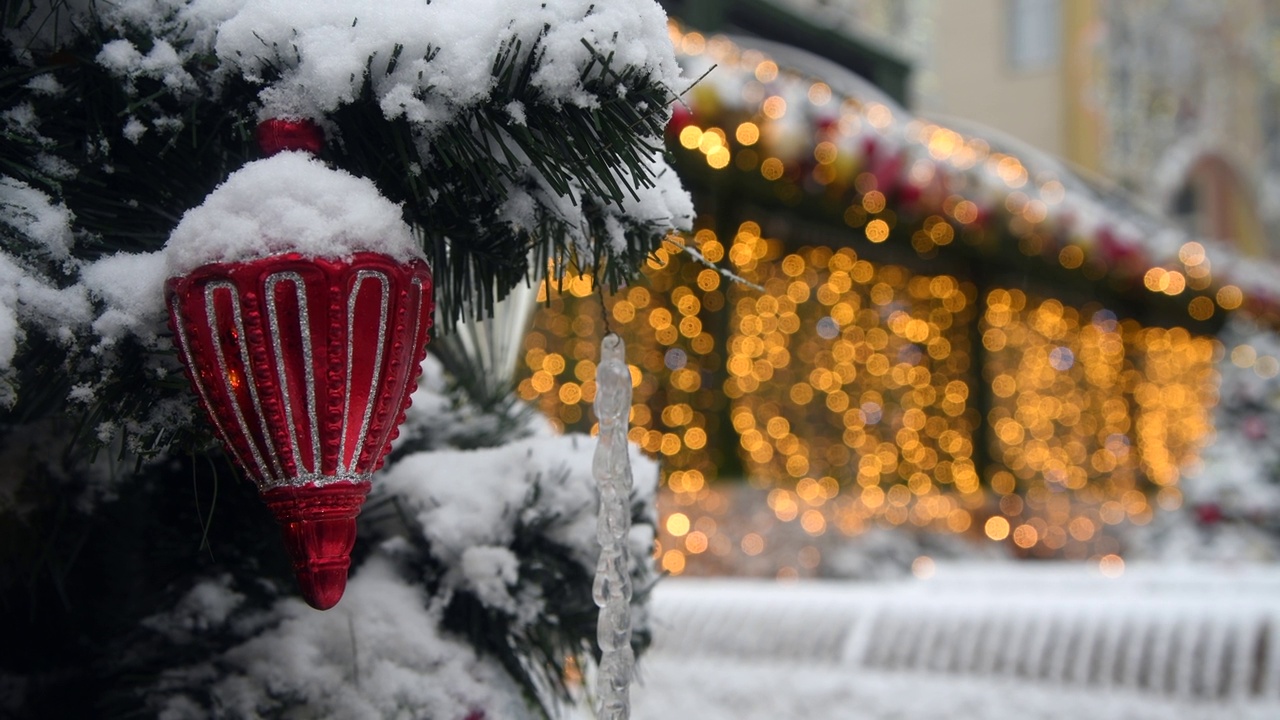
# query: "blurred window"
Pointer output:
{"type": "Point", "coordinates": [1034, 34]}
{"type": "Point", "coordinates": [1213, 203]}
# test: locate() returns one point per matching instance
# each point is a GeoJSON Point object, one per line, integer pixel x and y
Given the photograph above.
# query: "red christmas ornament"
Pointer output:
{"type": "Point", "coordinates": [278, 134]}
{"type": "Point", "coordinates": [305, 367]}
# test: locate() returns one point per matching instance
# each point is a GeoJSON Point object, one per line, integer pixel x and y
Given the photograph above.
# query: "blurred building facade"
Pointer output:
{"type": "Point", "coordinates": [1176, 101]}
{"type": "Point", "coordinates": [950, 328]}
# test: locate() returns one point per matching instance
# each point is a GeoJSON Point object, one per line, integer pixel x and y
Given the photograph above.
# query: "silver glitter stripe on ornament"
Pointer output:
{"type": "Point", "coordinates": [211, 316]}
{"type": "Point", "coordinates": [304, 327]}
{"type": "Point", "coordinates": [316, 480]}
{"type": "Point", "coordinates": [185, 340]}
{"type": "Point", "coordinates": [611, 467]}
{"type": "Point", "coordinates": [411, 377]}
{"type": "Point", "coordinates": [237, 313]}
{"type": "Point", "coordinates": [371, 397]}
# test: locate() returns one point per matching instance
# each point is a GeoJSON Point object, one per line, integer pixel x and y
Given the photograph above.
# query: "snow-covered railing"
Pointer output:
{"type": "Point", "coordinates": [1181, 632]}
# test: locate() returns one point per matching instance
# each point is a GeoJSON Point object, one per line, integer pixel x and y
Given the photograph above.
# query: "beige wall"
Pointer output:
{"type": "Point", "coordinates": [974, 80]}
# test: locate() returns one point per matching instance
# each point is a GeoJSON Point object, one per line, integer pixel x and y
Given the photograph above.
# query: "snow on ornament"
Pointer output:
{"type": "Point", "coordinates": [300, 307]}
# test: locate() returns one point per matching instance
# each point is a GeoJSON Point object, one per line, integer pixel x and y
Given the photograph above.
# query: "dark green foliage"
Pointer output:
{"type": "Point", "coordinates": [75, 586]}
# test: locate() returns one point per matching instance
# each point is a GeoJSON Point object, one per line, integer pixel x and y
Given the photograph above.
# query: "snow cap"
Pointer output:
{"type": "Point", "coordinates": [289, 202]}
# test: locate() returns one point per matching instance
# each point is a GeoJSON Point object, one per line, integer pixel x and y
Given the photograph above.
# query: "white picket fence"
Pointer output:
{"type": "Point", "coordinates": [1190, 632]}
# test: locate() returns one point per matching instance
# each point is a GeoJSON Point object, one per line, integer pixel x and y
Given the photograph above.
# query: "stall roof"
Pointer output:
{"type": "Point", "coordinates": [832, 131]}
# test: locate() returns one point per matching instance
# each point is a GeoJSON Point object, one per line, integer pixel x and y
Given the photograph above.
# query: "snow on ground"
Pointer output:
{"type": "Point", "coordinates": [741, 649]}
{"type": "Point", "coordinates": [723, 689]}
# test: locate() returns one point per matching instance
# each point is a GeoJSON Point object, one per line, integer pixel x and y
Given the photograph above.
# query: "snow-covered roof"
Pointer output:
{"type": "Point", "coordinates": [828, 127]}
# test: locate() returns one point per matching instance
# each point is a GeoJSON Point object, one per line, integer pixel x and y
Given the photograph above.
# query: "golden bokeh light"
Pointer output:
{"type": "Point", "coordinates": [996, 528]}
{"type": "Point", "coordinates": [1230, 297]}
{"type": "Point", "coordinates": [854, 387]}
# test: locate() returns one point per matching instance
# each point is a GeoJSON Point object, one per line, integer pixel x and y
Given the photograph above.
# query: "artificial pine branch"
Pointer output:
{"type": "Point", "coordinates": [128, 194]}
{"type": "Point", "coordinates": [94, 578]}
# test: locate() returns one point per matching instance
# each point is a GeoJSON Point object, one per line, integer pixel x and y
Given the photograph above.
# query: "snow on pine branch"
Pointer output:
{"type": "Point", "coordinates": [532, 117]}
{"type": "Point", "coordinates": [428, 61]}
{"type": "Point", "coordinates": [507, 133]}
{"type": "Point", "coordinates": [484, 516]}
{"type": "Point", "coordinates": [43, 287]}
{"type": "Point", "coordinates": [383, 654]}
{"type": "Point", "coordinates": [465, 499]}
{"type": "Point", "coordinates": [35, 252]}
{"type": "Point", "coordinates": [89, 310]}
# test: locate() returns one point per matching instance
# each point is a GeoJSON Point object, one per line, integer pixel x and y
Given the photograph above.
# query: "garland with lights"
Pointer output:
{"type": "Point", "coordinates": [782, 136]}
{"type": "Point", "coordinates": [890, 189]}
{"type": "Point", "coordinates": [895, 258]}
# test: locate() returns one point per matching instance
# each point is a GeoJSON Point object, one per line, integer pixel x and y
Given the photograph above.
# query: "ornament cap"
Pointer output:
{"type": "Point", "coordinates": [319, 527]}
{"type": "Point", "coordinates": [279, 134]}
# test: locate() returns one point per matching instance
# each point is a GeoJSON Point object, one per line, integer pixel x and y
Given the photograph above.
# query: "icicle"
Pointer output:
{"type": "Point", "coordinates": [612, 470]}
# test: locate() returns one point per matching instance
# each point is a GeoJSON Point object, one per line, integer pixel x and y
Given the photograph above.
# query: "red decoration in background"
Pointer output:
{"type": "Point", "coordinates": [681, 117]}
{"type": "Point", "coordinates": [305, 367]}
{"type": "Point", "coordinates": [1209, 513]}
{"type": "Point", "coordinates": [1120, 255]}
{"type": "Point", "coordinates": [277, 135]}
{"type": "Point", "coordinates": [1254, 427]}
{"type": "Point", "coordinates": [909, 195]}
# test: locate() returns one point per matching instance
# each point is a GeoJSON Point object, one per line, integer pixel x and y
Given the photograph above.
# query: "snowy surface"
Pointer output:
{"type": "Point", "coordinates": [745, 689]}
{"type": "Point", "coordinates": [446, 50]}
{"type": "Point", "coordinates": [32, 212]}
{"type": "Point", "coordinates": [129, 288]}
{"type": "Point", "coordinates": [742, 650]}
{"type": "Point", "coordinates": [428, 63]}
{"type": "Point", "coordinates": [290, 202]}
{"type": "Point", "coordinates": [428, 58]}
{"type": "Point", "coordinates": [28, 295]}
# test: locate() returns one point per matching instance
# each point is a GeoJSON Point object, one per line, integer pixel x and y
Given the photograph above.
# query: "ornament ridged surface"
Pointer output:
{"type": "Point", "coordinates": [304, 365]}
